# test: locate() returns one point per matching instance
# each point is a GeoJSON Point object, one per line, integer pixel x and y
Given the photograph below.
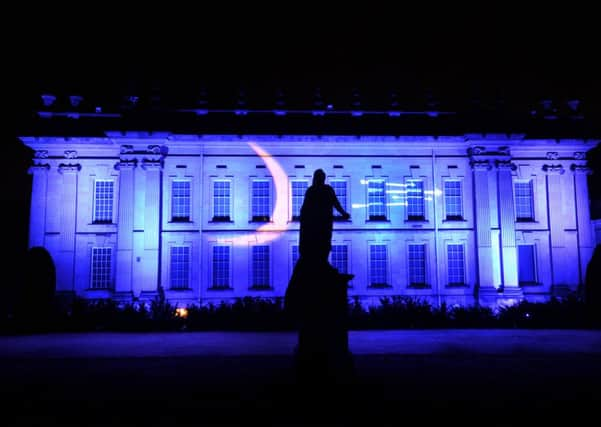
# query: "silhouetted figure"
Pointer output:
{"type": "Point", "coordinates": [316, 297]}
{"type": "Point", "coordinates": [592, 290]}
{"type": "Point", "coordinates": [317, 218]}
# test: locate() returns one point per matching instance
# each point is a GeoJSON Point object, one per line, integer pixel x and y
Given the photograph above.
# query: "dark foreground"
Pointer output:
{"type": "Point", "coordinates": [440, 388]}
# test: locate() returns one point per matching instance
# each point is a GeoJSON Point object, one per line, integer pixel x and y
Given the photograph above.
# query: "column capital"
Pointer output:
{"type": "Point", "coordinates": [481, 165]}
{"type": "Point", "coordinates": [505, 165]}
{"type": "Point", "coordinates": [38, 167]}
{"type": "Point", "coordinates": [580, 169]}
{"type": "Point", "coordinates": [70, 154]}
{"type": "Point", "coordinates": [123, 164]}
{"type": "Point", "coordinates": [69, 167]}
{"type": "Point", "coordinates": [151, 164]}
{"type": "Point", "coordinates": [553, 169]}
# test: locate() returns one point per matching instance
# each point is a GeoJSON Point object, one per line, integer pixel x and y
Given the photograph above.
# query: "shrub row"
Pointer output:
{"type": "Point", "coordinates": [262, 314]}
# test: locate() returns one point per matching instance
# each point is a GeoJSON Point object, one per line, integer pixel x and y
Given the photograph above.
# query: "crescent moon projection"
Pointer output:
{"type": "Point", "coordinates": [270, 231]}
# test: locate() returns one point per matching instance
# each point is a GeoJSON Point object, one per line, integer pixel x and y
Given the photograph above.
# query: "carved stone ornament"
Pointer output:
{"type": "Point", "coordinates": [154, 149]}
{"type": "Point", "coordinates": [552, 155]}
{"type": "Point", "coordinates": [580, 155]}
{"type": "Point", "coordinates": [127, 149]}
{"type": "Point", "coordinates": [70, 154]}
{"type": "Point", "coordinates": [476, 151]}
{"type": "Point", "coordinates": [41, 154]}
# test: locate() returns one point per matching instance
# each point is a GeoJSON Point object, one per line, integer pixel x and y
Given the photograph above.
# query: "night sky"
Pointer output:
{"type": "Point", "coordinates": [104, 50]}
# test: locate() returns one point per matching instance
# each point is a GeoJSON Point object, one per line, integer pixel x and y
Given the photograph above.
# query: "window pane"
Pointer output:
{"type": "Point", "coordinates": [523, 201]}
{"type": "Point", "coordinates": [221, 266]}
{"type": "Point", "coordinates": [456, 264]}
{"type": "Point", "coordinates": [339, 187]}
{"type": "Point", "coordinates": [180, 201]}
{"type": "Point", "coordinates": [377, 265]}
{"type": "Point", "coordinates": [221, 200]}
{"type": "Point", "coordinates": [294, 255]}
{"type": "Point", "coordinates": [261, 209]}
{"type": "Point", "coordinates": [298, 195]}
{"type": "Point", "coordinates": [101, 268]}
{"type": "Point", "coordinates": [260, 267]}
{"type": "Point", "coordinates": [526, 264]}
{"type": "Point", "coordinates": [415, 200]}
{"type": "Point", "coordinates": [180, 267]}
{"type": "Point", "coordinates": [417, 265]}
{"type": "Point", "coordinates": [339, 258]}
{"type": "Point", "coordinates": [376, 199]}
{"type": "Point", "coordinates": [452, 200]}
{"type": "Point", "coordinates": [103, 201]}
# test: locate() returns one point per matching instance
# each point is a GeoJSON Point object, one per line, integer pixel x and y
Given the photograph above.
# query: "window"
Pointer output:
{"type": "Point", "coordinates": [456, 265]}
{"type": "Point", "coordinates": [339, 258]}
{"type": "Point", "coordinates": [376, 199]}
{"type": "Point", "coordinates": [180, 267]}
{"type": "Point", "coordinates": [524, 211]}
{"type": "Point", "coordinates": [415, 200]}
{"type": "Point", "coordinates": [101, 268]}
{"type": "Point", "coordinates": [526, 265]}
{"type": "Point", "coordinates": [221, 267]}
{"type": "Point", "coordinates": [417, 266]}
{"type": "Point", "coordinates": [378, 272]}
{"type": "Point", "coordinates": [261, 201]}
{"type": "Point", "coordinates": [294, 255]}
{"type": "Point", "coordinates": [221, 200]}
{"type": "Point", "coordinates": [298, 195]}
{"type": "Point", "coordinates": [180, 201]}
{"type": "Point", "coordinates": [103, 201]}
{"type": "Point", "coordinates": [452, 200]}
{"type": "Point", "coordinates": [339, 187]}
{"type": "Point", "coordinates": [260, 267]}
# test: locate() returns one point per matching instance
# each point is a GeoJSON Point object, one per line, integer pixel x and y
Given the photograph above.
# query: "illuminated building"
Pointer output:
{"type": "Point", "coordinates": [471, 217]}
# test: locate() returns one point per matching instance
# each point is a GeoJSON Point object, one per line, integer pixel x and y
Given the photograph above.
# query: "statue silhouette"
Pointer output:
{"type": "Point", "coordinates": [316, 297]}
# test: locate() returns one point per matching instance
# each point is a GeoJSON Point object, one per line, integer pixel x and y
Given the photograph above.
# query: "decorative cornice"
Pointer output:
{"type": "Point", "coordinates": [577, 169]}
{"type": "Point", "coordinates": [553, 169]}
{"type": "Point", "coordinates": [481, 165]}
{"type": "Point", "coordinates": [70, 154]}
{"type": "Point", "coordinates": [552, 155]}
{"type": "Point", "coordinates": [505, 165]}
{"type": "Point", "coordinates": [69, 167]}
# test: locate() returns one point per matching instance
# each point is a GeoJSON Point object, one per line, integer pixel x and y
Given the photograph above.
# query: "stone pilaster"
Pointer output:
{"type": "Point", "coordinates": [152, 164]}
{"type": "Point", "coordinates": [125, 226]}
{"type": "Point", "coordinates": [507, 223]}
{"type": "Point", "coordinates": [559, 253]}
{"type": "Point", "coordinates": [481, 170]}
{"type": "Point", "coordinates": [65, 258]}
{"type": "Point", "coordinates": [37, 218]}
{"type": "Point", "coordinates": [583, 218]}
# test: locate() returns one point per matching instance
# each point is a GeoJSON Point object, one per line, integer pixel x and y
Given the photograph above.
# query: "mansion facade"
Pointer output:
{"type": "Point", "coordinates": [462, 219]}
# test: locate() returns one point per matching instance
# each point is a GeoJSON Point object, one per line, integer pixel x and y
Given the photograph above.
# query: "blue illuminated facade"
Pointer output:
{"type": "Point", "coordinates": [460, 219]}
